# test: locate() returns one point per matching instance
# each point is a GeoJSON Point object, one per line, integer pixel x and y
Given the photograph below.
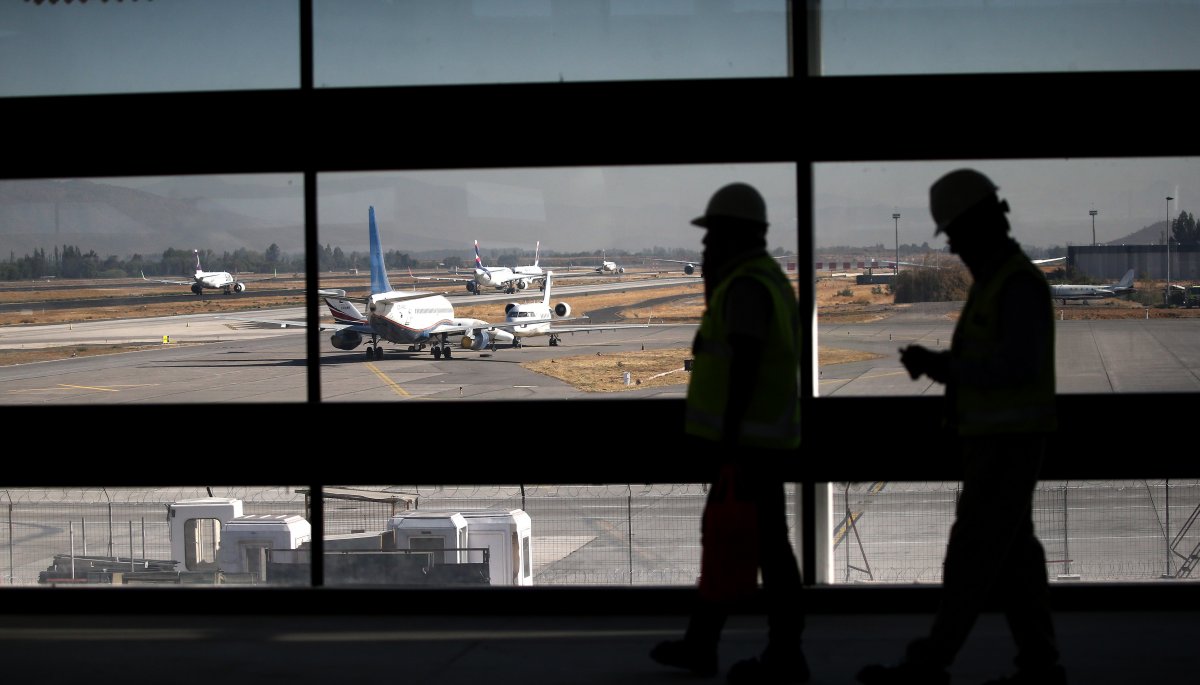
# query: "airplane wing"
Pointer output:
{"type": "Point", "coordinates": [1051, 260]}
{"type": "Point", "coordinates": [297, 323]}
{"type": "Point", "coordinates": [396, 296]}
{"type": "Point", "coordinates": [443, 279]}
{"type": "Point", "coordinates": [596, 327]}
{"type": "Point", "coordinates": [155, 280]}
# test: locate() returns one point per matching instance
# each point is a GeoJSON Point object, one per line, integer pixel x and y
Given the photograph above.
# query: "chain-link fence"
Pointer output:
{"type": "Point", "coordinates": [1091, 530]}
{"type": "Point", "coordinates": [645, 534]}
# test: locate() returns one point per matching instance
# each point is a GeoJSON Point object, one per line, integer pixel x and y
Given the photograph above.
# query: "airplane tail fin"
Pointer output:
{"type": "Point", "coordinates": [379, 279]}
{"type": "Point", "coordinates": [537, 250]}
{"type": "Point", "coordinates": [344, 311]}
{"type": "Point", "coordinates": [478, 261]}
{"type": "Point", "coordinates": [1127, 280]}
{"type": "Point", "coordinates": [197, 253]}
{"type": "Point", "coordinates": [546, 295]}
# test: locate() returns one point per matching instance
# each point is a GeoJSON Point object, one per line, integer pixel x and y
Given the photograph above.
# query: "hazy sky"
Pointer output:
{"type": "Point", "coordinates": [174, 45]}
{"type": "Point", "coordinates": [1049, 199]}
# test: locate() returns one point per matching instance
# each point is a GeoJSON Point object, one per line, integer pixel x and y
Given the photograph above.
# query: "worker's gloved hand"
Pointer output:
{"type": "Point", "coordinates": [919, 360]}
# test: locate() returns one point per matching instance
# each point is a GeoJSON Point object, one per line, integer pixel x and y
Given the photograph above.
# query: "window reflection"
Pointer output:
{"type": "Point", "coordinates": [1086, 221]}
{"type": "Point", "coordinates": [859, 37]}
{"type": "Point", "coordinates": [149, 47]}
{"type": "Point", "coordinates": [514, 41]}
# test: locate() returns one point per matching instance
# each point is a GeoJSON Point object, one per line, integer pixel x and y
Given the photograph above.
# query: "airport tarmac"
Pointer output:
{"type": "Point", "coordinates": [204, 359]}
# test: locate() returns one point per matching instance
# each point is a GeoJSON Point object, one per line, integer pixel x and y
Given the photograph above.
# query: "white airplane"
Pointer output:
{"type": "Point", "coordinates": [607, 267]}
{"type": "Point", "coordinates": [1083, 293]}
{"type": "Point", "coordinates": [410, 318]}
{"type": "Point", "coordinates": [689, 268]}
{"type": "Point", "coordinates": [504, 278]}
{"type": "Point", "coordinates": [211, 280]}
{"type": "Point", "coordinates": [537, 318]}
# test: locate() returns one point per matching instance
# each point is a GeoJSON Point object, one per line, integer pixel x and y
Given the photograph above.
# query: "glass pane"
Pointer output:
{"type": "Point", "coordinates": [1100, 531]}
{"type": "Point", "coordinates": [148, 47]}
{"type": "Point", "coordinates": [869, 216]}
{"type": "Point", "coordinates": [164, 271]}
{"type": "Point", "coordinates": [860, 37]}
{"type": "Point", "coordinates": [413, 42]}
{"type": "Point", "coordinates": [613, 242]}
{"type": "Point", "coordinates": [146, 536]}
{"type": "Point", "coordinates": [616, 535]}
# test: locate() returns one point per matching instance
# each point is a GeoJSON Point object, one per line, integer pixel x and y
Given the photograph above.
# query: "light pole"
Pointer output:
{"type": "Point", "coordinates": [1093, 213]}
{"type": "Point", "coordinates": [896, 271]}
{"type": "Point", "coordinates": [1168, 297]}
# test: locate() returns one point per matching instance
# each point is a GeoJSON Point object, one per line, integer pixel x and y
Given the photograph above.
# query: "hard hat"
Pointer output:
{"type": "Point", "coordinates": [737, 201]}
{"type": "Point", "coordinates": [956, 192]}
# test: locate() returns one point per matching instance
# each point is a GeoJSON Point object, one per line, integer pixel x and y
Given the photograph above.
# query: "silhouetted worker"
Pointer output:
{"type": "Point", "coordinates": [743, 419]}
{"type": "Point", "coordinates": [999, 402]}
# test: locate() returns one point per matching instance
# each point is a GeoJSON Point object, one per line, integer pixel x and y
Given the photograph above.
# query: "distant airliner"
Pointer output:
{"type": "Point", "coordinates": [202, 280]}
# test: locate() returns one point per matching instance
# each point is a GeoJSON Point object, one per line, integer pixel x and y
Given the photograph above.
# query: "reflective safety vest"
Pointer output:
{"type": "Point", "coordinates": [1027, 407]}
{"type": "Point", "coordinates": [772, 418]}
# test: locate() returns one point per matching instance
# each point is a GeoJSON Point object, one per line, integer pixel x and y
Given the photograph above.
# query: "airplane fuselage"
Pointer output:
{"type": "Point", "coordinates": [411, 321]}
{"type": "Point", "coordinates": [1079, 292]}
{"type": "Point", "coordinates": [214, 279]}
{"type": "Point", "coordinates": [504, 278]}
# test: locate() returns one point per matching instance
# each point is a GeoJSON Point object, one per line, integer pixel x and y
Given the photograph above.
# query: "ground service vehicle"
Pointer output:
{"type": "Point", "coordinates": [213, 541]}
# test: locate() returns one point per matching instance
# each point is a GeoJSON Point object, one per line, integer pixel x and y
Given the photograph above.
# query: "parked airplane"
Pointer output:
{"type": "Point", "coordinates": [535, 319]}
{"type": "Point", "coordinates": [410, 318]}
{"type": "Point", "coordinates": [1065, 292]}
{"type": "Point", "coordinates": [202, 280]}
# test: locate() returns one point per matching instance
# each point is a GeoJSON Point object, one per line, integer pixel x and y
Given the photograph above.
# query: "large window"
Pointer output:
{"type": "Point", "coordinates": [505, 151]}
{"type": "Point", "coordinates": [1089, 222]}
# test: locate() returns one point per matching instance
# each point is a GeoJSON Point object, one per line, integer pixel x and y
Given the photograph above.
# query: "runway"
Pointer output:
{"type": "Point", "coordinates": [205, 359]}
{"type": "Point", "coordinates": [209, 360]}
{"type": "Point", "coordinates": [1097, 357]}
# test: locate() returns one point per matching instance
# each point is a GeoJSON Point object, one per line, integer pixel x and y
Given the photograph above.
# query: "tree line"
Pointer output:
{"type": "Point", "coordinates": [1185, 230]}
{"type": "Point", "coordinates": [70, 261]}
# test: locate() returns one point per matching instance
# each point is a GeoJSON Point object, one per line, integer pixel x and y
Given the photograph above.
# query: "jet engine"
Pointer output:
{"type": "Point", "coordinates": [508, 307]}
{"type": "Point", "coordinates": [621, 270]}
{"type": "Point", "coordinates": [197, 288]}
{"type": "Point", "coordinates": [689, 269]}
{"type": "Point", "coordinates": [522, 284]}
{"type": "Point", "coordinates": [472, 287]}
{"type": "Point", "coordinates": [239, 287]}
{"type": "Point", "coordinates": [562, 309]}
{"type": "Point", "coordinates": [476, 339]}
{"type": "Point", "coordinates": [346, 339]}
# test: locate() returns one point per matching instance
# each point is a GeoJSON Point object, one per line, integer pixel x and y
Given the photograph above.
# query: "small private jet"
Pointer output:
{"type": "Point", "coordinates": [1068, 291]}
{"type": "Point", "coordinates": [540, 319]}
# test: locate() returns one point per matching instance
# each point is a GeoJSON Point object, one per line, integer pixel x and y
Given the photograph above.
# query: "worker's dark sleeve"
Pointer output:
{"type": "Point", "coordinates": [1024, 328]}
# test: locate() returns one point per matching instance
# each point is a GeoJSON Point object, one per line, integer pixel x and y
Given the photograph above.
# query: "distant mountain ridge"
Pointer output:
{"type": "Point", "coordinates": [114, 220]}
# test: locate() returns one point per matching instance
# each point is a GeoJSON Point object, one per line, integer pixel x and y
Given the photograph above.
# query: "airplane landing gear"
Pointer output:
{"type": "Point", "coordinates": [554, 341]}
{"type": "Point", "coordinates": [378, 353]}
